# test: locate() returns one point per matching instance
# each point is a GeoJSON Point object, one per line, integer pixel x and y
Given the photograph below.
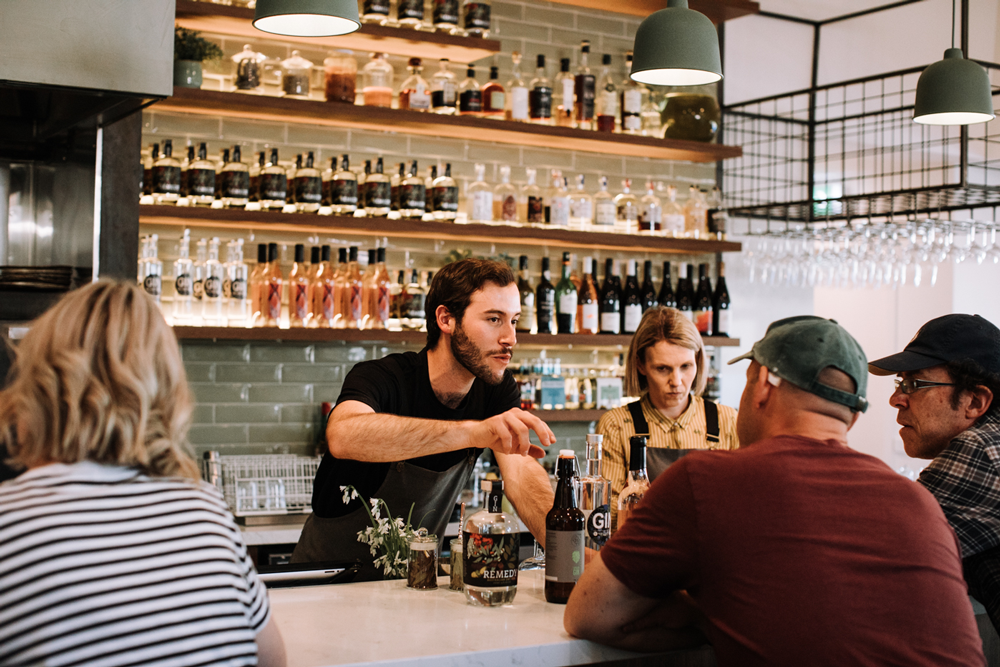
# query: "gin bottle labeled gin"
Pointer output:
{"type": "Point", "coordinates": [593, 501]}
{"type": "Point", "coordinates": [491, 540]}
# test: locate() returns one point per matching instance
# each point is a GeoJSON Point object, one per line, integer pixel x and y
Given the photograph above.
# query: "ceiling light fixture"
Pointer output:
{"type": "Point", "coordinates": [676, 46]}
{"type": "Point", "coordinates": [307, 18]}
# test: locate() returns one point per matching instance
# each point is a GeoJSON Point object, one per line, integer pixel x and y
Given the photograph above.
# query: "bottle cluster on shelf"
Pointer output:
{"type": "Point", "coordinates": [302, 186]}
{"type": "Point", "coordinates": [546, 384]}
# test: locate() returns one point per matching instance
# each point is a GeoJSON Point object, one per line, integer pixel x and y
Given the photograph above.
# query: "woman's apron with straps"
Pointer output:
{"type": "Point", "coordinates": [659, 459]}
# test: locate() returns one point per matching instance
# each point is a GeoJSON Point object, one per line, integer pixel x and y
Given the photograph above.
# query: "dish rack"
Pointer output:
{"type": "Point", "coordinates": [257, 485]}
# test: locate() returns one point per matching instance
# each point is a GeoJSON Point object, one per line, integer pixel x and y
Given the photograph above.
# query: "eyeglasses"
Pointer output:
{"type": "Point", "coordinates": [910, 385]}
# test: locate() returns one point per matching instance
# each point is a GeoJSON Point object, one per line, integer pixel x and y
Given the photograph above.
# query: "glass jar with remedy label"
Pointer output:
{"type": "Point", "coordinates": [249, 68]}
{"type": "Point", "coordinates": [308, 187]}
{"type": "Point", "coordinates": [445, 16]}
{"type": "Point", "coordinates": [505, 208]}
{"type": "Point", "coordinates": [444, 90]}
{"type": "Point", "coordinates": [375, 11]}
{"type": "Point", "coordinates": [296, 73]}
{"type": "Point", "coordinates": [410, 13]}
{"type": "Point", "coordinates": [445, 196]}
{"type": "Point", "coordinates": [491, 542]}
{"type": "Point", "coordinates": [272, 184]}
{"type": "Point", "coordinates": [470, 95]}
{"type": "Point", "coordinates": [377, 77]}
{"type": "Point", "coordinates": [565, 531]}
{"type": "Point", "coordinates": [540, 95]}
{"type": "Point", "coordinates": [340, 71]}
{"type": "Point", "coordinates": [494, 95]}
{"type": "Point", "coordinates": [415, 92]}
{"type": "Point", "coordinates": [201, 179]}
{"type": "Point", "coordinates": [343, 189]}
{"type": "Point", "coordinates": [167, 176]}
{"type": "Point", "coordinates": [517, 92]}
{"type": "Point", "coordinates": [378, 192]}
{"type": "Point", "coordinates": [477, 18]}
{"type": "Point", "coordinates": [480, 197]}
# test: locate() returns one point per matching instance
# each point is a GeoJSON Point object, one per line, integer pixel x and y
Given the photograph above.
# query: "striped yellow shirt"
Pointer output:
{"type": "Point", "coordinates": [687, 432]}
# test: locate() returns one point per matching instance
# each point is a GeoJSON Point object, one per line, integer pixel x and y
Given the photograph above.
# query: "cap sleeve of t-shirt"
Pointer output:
{"type": "Point", "coordinates": [374, 383]}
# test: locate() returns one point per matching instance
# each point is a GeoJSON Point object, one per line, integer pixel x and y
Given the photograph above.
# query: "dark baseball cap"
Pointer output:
{"type": "Point", "coordinates": [954, 337]}
{"type": "Point", "coordinates": [798, 349]}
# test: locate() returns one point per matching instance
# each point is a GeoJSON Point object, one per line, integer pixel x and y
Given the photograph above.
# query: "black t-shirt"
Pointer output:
{"type": "Point", "coordinates": [399, 384]}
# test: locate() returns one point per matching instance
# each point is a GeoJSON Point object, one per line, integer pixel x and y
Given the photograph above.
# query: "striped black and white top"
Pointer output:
{"type": "Point", "coordinates": [102, 565]}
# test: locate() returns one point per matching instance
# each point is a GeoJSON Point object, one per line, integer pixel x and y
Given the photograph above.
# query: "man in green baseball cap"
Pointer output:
{"type": "Point", "coordinates": [794, 549]}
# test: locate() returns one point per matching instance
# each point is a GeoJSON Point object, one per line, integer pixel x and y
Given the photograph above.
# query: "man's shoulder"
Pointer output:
{"type": "Point", "coordinates": [397, 363]}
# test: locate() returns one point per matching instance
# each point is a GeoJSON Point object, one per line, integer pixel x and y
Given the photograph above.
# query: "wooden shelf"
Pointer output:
{"type": "Point", "coordinates": [551, 416]}
{"type": "Point", "coordinates": [237, 21]}
{"type": "Point", "coordinates": [279, 109]}
{"type": "Point", "coordinates": [302, 223]}
{"type": "Point", "coordinates": [717, 10]}
{"type": "Point", "coordinates": [417, 337]}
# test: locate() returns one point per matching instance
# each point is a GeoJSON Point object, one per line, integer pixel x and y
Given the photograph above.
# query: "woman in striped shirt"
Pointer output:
{"type": "Point", "coordinates": [665, 367]}
{"type": "Point", "coordinates": [112, 551]}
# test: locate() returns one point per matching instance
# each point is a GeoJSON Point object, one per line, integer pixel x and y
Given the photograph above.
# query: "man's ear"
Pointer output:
{"type": "Point", "coordinates": [761, 388]}
{"type": "Point", "coordinates": [445, 320]}
{"type": "Point", "coordinates": [981, 400]}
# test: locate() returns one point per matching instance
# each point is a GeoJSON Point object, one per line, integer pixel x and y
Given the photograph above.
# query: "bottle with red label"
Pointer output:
{"type": "Point", "coordinates": [491, 540]}
{"type": "Point", "coordinates": [299, 313]}
{"type": "Point", "coordinates": [272, 287]}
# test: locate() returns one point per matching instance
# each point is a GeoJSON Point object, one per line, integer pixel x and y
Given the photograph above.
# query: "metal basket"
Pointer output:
{"type": "Point", "coordinates": [268, 484]}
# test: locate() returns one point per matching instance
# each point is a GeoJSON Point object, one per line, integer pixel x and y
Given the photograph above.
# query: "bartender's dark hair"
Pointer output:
{"type": "Point", "coordinates": [454, 285]}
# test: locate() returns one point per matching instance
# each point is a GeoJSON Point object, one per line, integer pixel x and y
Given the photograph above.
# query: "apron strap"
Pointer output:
{"type": "Point", "coordinates": [711, 421]}
{"type": "Point", "coordinates": [638, 419]}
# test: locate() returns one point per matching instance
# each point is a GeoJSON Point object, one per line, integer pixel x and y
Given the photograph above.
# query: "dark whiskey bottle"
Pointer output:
{"type": "Point", "coordinates": [565, 527]}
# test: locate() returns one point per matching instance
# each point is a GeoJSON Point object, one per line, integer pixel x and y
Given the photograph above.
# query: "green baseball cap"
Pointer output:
{"type": "Point", "coordinates": [797, 349]}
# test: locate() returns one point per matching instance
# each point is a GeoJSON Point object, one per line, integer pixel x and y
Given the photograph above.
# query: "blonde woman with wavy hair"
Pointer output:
{"type": "Point", "coordinates": [97, 411]}
{"type": "Point", "coordinates": [666, 368]}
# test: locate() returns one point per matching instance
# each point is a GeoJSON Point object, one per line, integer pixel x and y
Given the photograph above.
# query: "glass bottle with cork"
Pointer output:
{"type": "Point", "coordinates": [565, 88]}
{"type": "Point", "coordinates": [581, 206]}
{"type": "Point", "coordinates": [505, 208]}
{"type": "Point", "coordinates": [470, 95]}
{"type": "Point", "coordinates": [343, 189]}
{"type": "Point", "coordinates": [703, 302]}
{"type": "Point", "coordinates": [480, 197]}
{"type": "Point", "coordinates": [444, 90]}
{"type": "Point", "coordinates": [605, 211]}
{"type": "Point", "coordinates": [646, 290]}
{"type": "Point", "coordinates": [589, 300]}
{"type": "Point", "coordinates": [415, 92]}
{"type": "Point", "coordinates": [594, 494]}
{"type": "Point", "coordinates": [494, 95]}
{"type": "Point", "coordinates": [378, 192]}
{"type": "Point", "coordinates": [308, 187]}
{"type": "Point", "coordinates": [166, 175]}
{"type": "Point", "coordinates": [239, 272]}
{"type": "Point", "coordinates": [650, 212]}
{"type": "Point", "coordinates": [607, 98]}
{"type": "Point", "coordinates": [566, 299]}
{"type": "Point", "coordinates": [633, 94]}
{"type": "Point", "coordinates": [299, 312]}
{"type": "Point", "coordinates": [151, 268]}
{"type": "Point", "coordinates": [626, 209]}
{"type": "Point", "coordinates": [215, 274]}
{"type": "Point", "coordinates": [296, 73]}
{"type": "Point", "coordinates": [201, 179]}
{"type": "Point", "coordinates": [273, 184]}
{"type": "Point", "coordinates": [491, 542]}
{"type": "Point", "coordinates": [183, 281]}
{"type": "Point", "coordinates": [584, 90]}
{"type": "Point", "coordinates": [721, 305]}
{"type": "Point", "coordinates": [637, 482]}
{"type": "Point", "coordinates": [540, 95]}
{"type": "Point", "coordinates": [517, 97]}
{"type": "Point", "coordinates": [565, 530]}
{"type": "Point", "coordinates": [377, 77]}
{"type": "Point", "coordinates": [532, 203]}
{"type": "Point", "coordinates": [666, 296]}
{"type": "Point", "coordinates": [526, 323]}
{"type": "Point", "coordinates": [235, 179]}
{"type": "Point", "coordinates": [631, 301]}
{"type": "Point", "coordinates": [413, 195]}
{"type": "Point", "coordinates": [611, 301]}
{"type": "Point", "coordinates": [445, 196]}
{"type": "Point", "coordinates": [545, 301]}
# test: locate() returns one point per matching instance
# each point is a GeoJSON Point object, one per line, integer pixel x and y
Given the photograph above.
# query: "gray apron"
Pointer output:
{"type": "Point", "coordinates": [659, 459]}
{"type": "Point", "coordinates": [432, 494]}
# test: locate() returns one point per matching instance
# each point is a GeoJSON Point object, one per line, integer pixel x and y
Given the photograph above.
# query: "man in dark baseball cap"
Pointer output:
{"type": "Point", "coordinates": [947, 381]}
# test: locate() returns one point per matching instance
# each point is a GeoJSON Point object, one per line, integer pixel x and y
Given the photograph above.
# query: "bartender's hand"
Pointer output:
{"type": "Point", "coordinates": [508, 433]}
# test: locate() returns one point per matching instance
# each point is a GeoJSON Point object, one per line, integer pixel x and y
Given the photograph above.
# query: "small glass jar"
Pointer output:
{"type": "Point", "coordinates": [249, 70]}
{"type": "Point", "coordinates": [422, 569]}
{"type": "Point", "coordinates": [456, 564]}
{"type": "Point", "coordinates": [341, 74]}
{"type": "Point", "coordinates": [378, 82]}
{"type": "Point", "coordinates": [295, 74]}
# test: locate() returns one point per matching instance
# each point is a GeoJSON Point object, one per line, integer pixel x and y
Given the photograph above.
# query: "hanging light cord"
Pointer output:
{"type": "Point", "coordinates": [953, 3]}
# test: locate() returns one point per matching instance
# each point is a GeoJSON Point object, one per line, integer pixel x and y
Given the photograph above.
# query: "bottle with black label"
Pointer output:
{"type": "Point", "coordinates": [527, 320]}
{"type": "Point", "coordinates": [684, 300]}
{"type": "Point", "coordinates": [184, 170]}
{"type": "Point", "coordinates": [491, 540]}
{"type": "Point", "coordinates": [470, 95]}
{"type": "Point", "coordinates": [444, 90]}
{"type": "Point", "coordinates": [477, 18]}
{"type": "Point", "coordinates": [219, 165]}
{"type": "Point", "coordinates": [308, 187]}
{"type": "Point", "coordinates": [410, 13]}
{"type": "Point", "coordinates": [395, 185]}
{"type": "Point", "coordinates": [273, 184]}
{"type": "Point", "coordinates": [215, 274]}
{"type": "Point", "coordinates": [584, 83]}
{"type": "Point", "coordinates": [147, 168]}
{"type": "Point", "coordinates": [540, 95]}
{"type": "Point", "coordinates": [235, 182]}
{"type": "Point", "coordinates": [594, 493]}
{"type": "Point", "coordinates": [567, 299]}
{"type": "Point", "coordinates": [375, 11]}
{"type": "Point", "coordinates": [429, 203]}
{"type": "Point", "coordinates": [445, 15]}
{"type": "Point", "coordinates": [565, 530]}
{"type": "Point", "coordinates": [378, 192]}
{"type": "Point", "coordinates": [637, 482]}
{"type": "Point", "coordinates": [703, 302]}
{"type": "Point", "coordinates": [413, 195]}
{"type": "Point", "coordinates": [183, 301]}
{"type": "Point", "coordinates": [414, 313]}
{"type": "Point", "coordinates": [647, 291]}
{"type": "Point", "coordinates": [255, 171]}
{"type": "Point", "coordinates": [545, 300]}
{"type": "Point", "coordinates": [721, 305]}
{"type": "Point", "coordinates": [445, 195]}
{"type": "Point", "coordinates": [151, 268]}
{"type": "Point", "coordinates": [201, 179]}
{"type": "Point", "coordinates": [632, 93]}
{"type": "Point", "coordinates": [631, 301]}
{"type": "Point", "coordinates": [666, 297]}
{"type": "Point", "coordinates": [611, 301]}
{"type": "Point", "coordinates": [167, 176]}
{"type": "Point", "coordinates": [344, 189]}
{"type": "Point", "coordinates": [363, 185]}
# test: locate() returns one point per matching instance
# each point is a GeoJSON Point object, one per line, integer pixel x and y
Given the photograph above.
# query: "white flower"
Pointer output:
{"type": "Point", "coordinates": [354, 493]}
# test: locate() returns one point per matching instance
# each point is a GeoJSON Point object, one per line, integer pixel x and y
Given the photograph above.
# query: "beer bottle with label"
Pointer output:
{"type": "Point", "coordinates": [565, 526]}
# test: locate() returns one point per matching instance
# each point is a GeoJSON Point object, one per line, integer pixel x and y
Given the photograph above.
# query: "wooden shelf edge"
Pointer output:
{"type": "Point", "coordinates": [322, 224]}
{"type": "Point", "coordinates": [237, 21]}
{"type": "Point", "coordinates": [382, 119]}
{"type": "Point", "coordinates": [552, 416]}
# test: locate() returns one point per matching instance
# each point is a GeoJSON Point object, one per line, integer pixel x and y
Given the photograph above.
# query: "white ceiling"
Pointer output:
{"type": "Point", "coordinates": [819, 10]}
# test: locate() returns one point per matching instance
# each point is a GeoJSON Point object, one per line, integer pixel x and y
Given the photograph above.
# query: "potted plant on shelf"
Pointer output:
{"type": "Point", "coordinates": [190, 50]}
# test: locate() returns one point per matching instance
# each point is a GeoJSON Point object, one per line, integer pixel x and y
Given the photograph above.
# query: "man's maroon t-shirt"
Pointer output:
{"type": "Point", "coordinates": [803, 552]}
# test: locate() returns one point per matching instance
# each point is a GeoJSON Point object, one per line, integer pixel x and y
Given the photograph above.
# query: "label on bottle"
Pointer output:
{"type": "Point", "coordinates": [445, 97]}
{"type": "Point", "coordinates": [703, 320]}
{"type": "Point", "coordinates": [674, 224]}
{"type": "Point", "coordinates": [497, 100]}
{"type": "Point", "coordinates": [375, 7]}
{"type": "Point", "coordinates": [581, 208]}
{"type": "Point", "coordinates": [724, 315]}
{"type": "Point", "coordinates": [609, 102]}
{"type": "Point", "coordinates": [628, 211]}
{"type": "Point", "coordinates": [327, 301]}
{"type": "Point", "coordinates": [300, 303]}
{"type": "Point", "coordinates": [632, 102]}
{"type": "Point", "coordinates": [166, 179]}
{"type": "Point", "coordinates": [238, 289]}
{"type": "Point", "coordinates": [633, 315]}
{"type": "Point", "coordinates": [410, 9]}
{"type": "Point", "coordinates": [201, 182]}
{"type": "Point", "coordinates": [477, 16]}
{"type": "Point", "coordinates": [419, 98]}
{"type": "Point", "coordinates": [226, 293]}
{"type": "Point", "coordinates": [344, 193]}
{"type": "Point", "coordinates": [559, 211]}
{"type": "Point", "coordinates": [273, 187]}
{"type": "Point", "coordinates": [527, 311]}
{"type": "Point", "coordinates": [308, 189]}
{"type": "Point", "coordinates": [584, 85]}
{"type": "Point", "coordinates": [631, 122]}
{"type": "Point", "coordinates": [519, 103]}
{"type": "Point", "coordinates": [610, 322]}
{"type": "Point", "coordinates": [273, 299]}
{"type": "Point", "coordinates": [470, 101]}
{"type": "Point", "coordinates": [718, 221]}
{"type": "Point", "coordinates": [382, 303]}
{"type": "Point", "coordinates": [540, 102]}
{"type": "Point", "coordinates": [568, 86]}
{"type": "Point", "coordinates": [198, 289]}
{"type": "Point", "coordinates": [481, 206]}
{"type": "Point", "coordinates": [605, 212]}
{"type": "Point", "coordinates": [213, 287]}
{"type": "Point", "coordinates": [589, 322]}
{"type": "Point", "coordinates": [508, 209]}
{"type": "Point", "coordinates": [563, 555]}
{"type": "Point", "coordinates": [415, 306]}
{"type": "Point", "coordinates": [183, 284]}
{"type": "Point", "coordinates": [490, 560]}
{"type": "Point", "coordinates": [153, 285]}
{"type": "Point", "coordinates": [446, 198]}
{"type": "Point", "coordinates": [568, 302]}
{"type": "Point", "coordinates": [412, 196]}
{"type": "Point", "coordinates": [446, 11]}
{"type": "Point", "coordinates": [599, 525]}
{"type": "Point", "coordinates": [235, 184]}
{"type": "Point", "coordinates": [536, 209]}
{"type": "Point", "coordinates": [355, 303]}
{"type": "Point", "coordinates": [378, 194]}
{"type": "Point", "coordinates": [545, 311]}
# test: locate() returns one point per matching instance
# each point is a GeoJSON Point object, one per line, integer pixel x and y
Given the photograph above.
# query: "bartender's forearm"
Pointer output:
{"type": "Point", "coordinates": [366, 436]}
{"type": "Point", "coordinates": [527, 486]}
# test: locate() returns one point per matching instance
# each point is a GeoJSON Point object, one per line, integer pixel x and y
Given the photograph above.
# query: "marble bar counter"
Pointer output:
{"type": "Point", "coordinates": [385, 623]}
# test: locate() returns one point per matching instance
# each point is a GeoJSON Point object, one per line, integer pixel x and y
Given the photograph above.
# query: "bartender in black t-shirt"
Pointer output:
{"type": "Point", "coordinates": [409, 427]}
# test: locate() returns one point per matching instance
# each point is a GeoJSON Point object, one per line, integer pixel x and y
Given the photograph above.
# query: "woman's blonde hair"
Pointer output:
{"type": "Point", "coordinates": [99, 378]}
{"type": "Point", "coordinates": [667, 324]}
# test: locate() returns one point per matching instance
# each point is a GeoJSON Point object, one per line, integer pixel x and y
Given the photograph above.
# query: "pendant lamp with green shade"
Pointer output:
{"type": "Point", "coordinates": [676, 46]}
{"type": "Point", "coordinates": [307, 18]}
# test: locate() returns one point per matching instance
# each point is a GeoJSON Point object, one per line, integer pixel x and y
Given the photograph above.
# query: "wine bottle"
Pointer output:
{"type": "Point", "coordinates": [567, 299]}
{"type": "Point", "coordinates": [527, 320]}
{"type": "Point", "coordinates": [565, 528]}
{"type": "Point", "coordinates": [684, 302]}
{"type": "Point", "coordinates": [703, 302]}
{"type": "Point", "coordinates": [647, 291]}
{"type": "Point", "coordinates": [593, 500]}
{"type": "Point", "coordinates": [299, 290]}
{"type": "Point", "coordinates": [491, 540]}
{"type": "Point", "coordinates": [631, 301]}
{"type": "Point", "coordinates": [545, 301]}
{"type": "Point", "coordinates": [610, 307]}
{"type": "Point", "coordinates": [637, 482]}
{"type": "Point", "coordinates": [721, 305]}
{"type": "Point", "coordinates": [589, 300]}
{"type": "Point", "coordinates": [666, 297]}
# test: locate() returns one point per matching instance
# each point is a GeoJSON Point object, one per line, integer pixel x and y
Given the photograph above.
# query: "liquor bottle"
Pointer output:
{"type": "Point", "coordinates": [480, 197]}
{"type": "Point", "coordinates": [517, 102]}
{"type": "Point", "coordinates": [198, 275]}
{"type": "Point", "coordinates": [323, 292]}
{"type": "Point", "coordinates": [382, 285]}
{"type": "Point", "coordinates": [527, 294]}
{"type": "Point", "coordinates": [650, 211]}
{"type": "Point", "coordinates": [477, 18]}
{"type": "Point", "coordinates": [410, 13]}
{"type": "Point", "coordinates": [584, 90]}
{"type": "Point", "coordinates": [445, 16]}
{"type": "Point", "coordinates": [273, 184]}
{"type": "Point", "coordinates": [429, 204]}
{"type": "Point", "coordinates": [147, 168]}
{"type": "Point", "coordinates": [565, 530]}
{"type": "Point", "coordinates": [344, 189]}
{"type": "Point", "coordinates": [340, 286]}
{"type": "Point", "coordinates": [505, 198]}
{"type": "Point", "coordinates": [703, 302]}
{"type": "Point", "coordinates": [378, 192]}
{"type": "Point", "coordinates": [298, 290]}
{"type": "Point", "coordinates": [375, 11]}
{"type": "Point", "coordinates": [215, 274]}
{"type": "Point", "coordinates": [363, 186]}
{"type": "Point", "coordinates": [611, 302]}
{"type": "Point", "coordinates": [626, 209]}
{"type": "Point", "coordinates": [257, 287]}
{"type": "Point", "coordinates": [239, 305]}
{"type": "Point", "coordinates": [607, 98]}
{"type": "Point", "coordinates": [631, 100]}
{"type": "Point", "coordinates": [151, 268]}
{"type": "Point", "coordinates": [684, 301]}
{"type": "Point", "coordinates": [255, 171]}
{"type": "Point", "coordinates": [308, 187]}
{"type": "Point", "coordinates": [185, 164]}
{"type": "Point", "coordinates": [631, 301]}
{"type": "Point", "coordinates": [491, 540]}
{"type": "Point", "coordinates": [166, 176]}
{"type": "Point", "coordinates": [647, 291]}
{"type": "Point", "coordinates": [605, 210]}
{"type": "Point", "coordinates": [494, 96]}
{"type": "Point", "coordinates": [290, 174]}
{"type": "Point", "coordinates": [444, 90]}
{"type": "Point", "coordinates": [397, 295]}
{"type": "Point", "coordinates": [226, 280]}
{"type": "Point", "coordinates": [673, 214]}
{"type": "Point", "coordinates": [666, 297]}
{"type": "Point", "coordinates": [545, 301]}
{"type": "Point", "coordinates": [355, 291]}
{"type": "Point", "coordinates": [721, 305]}
{"type": "Point", "coordinates": [220, 163]}
{"type": "Point", "coordinates": [637, 482]}
{"type": "Point", "coordinates": [558, 200]}
{"type": "Point", "coordinates": [395, 186]}
{"type": "Point", "coordinates": [369, 292]}
{"type": "Point", "coordinates": [445, 195]}
{"type": "Point", "coordinates": [718, 218]}
{"type": "Point", "coordinates": [566, 299]}
{"type": "Point", "coordinates": [470, 95]}
{"type": "Point", "coordinates": [581, 206]}
{"type": "Point", "coordinates": [377, 77]}
{"type": "Point", "coordinates": [413, 195]}
{"type": "Point", "coordinates": [201, 179]}
{"type": "Point", "coordinates": [532, 203]}
{"type": "Point", "coordinates": [416, 301]}
{"type": "Point", "coordinates": [695, 214]}
{"type": "Point", "coordinates": [540, 95]}
{"type": "Point", "coordinates": [564, 88]}
{"type": "Point", "coordinates": [273, 285]}
{"type": "Point", "coordinates": [235, 182]}
{"type": "Point", "coordinates": [589, 300]}
{"type": "Point", "coordinates": [594, 493]}
{"type": "Point", "coordinates": [414, 93]}
{"type": "Point", "coordinates": [183, 300]}
{"type": "Point", "coordinates": [651, 118]}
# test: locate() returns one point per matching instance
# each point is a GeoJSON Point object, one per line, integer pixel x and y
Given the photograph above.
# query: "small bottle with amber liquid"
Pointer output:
{"type": "Point", "coordinates": [637, 482]}
{"type": "Point", "coordinates": [272, 287]}
{"type": "Point", "coordinates": [298, 290]}
{"type": "Point", "coordinates": [565, 528]}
